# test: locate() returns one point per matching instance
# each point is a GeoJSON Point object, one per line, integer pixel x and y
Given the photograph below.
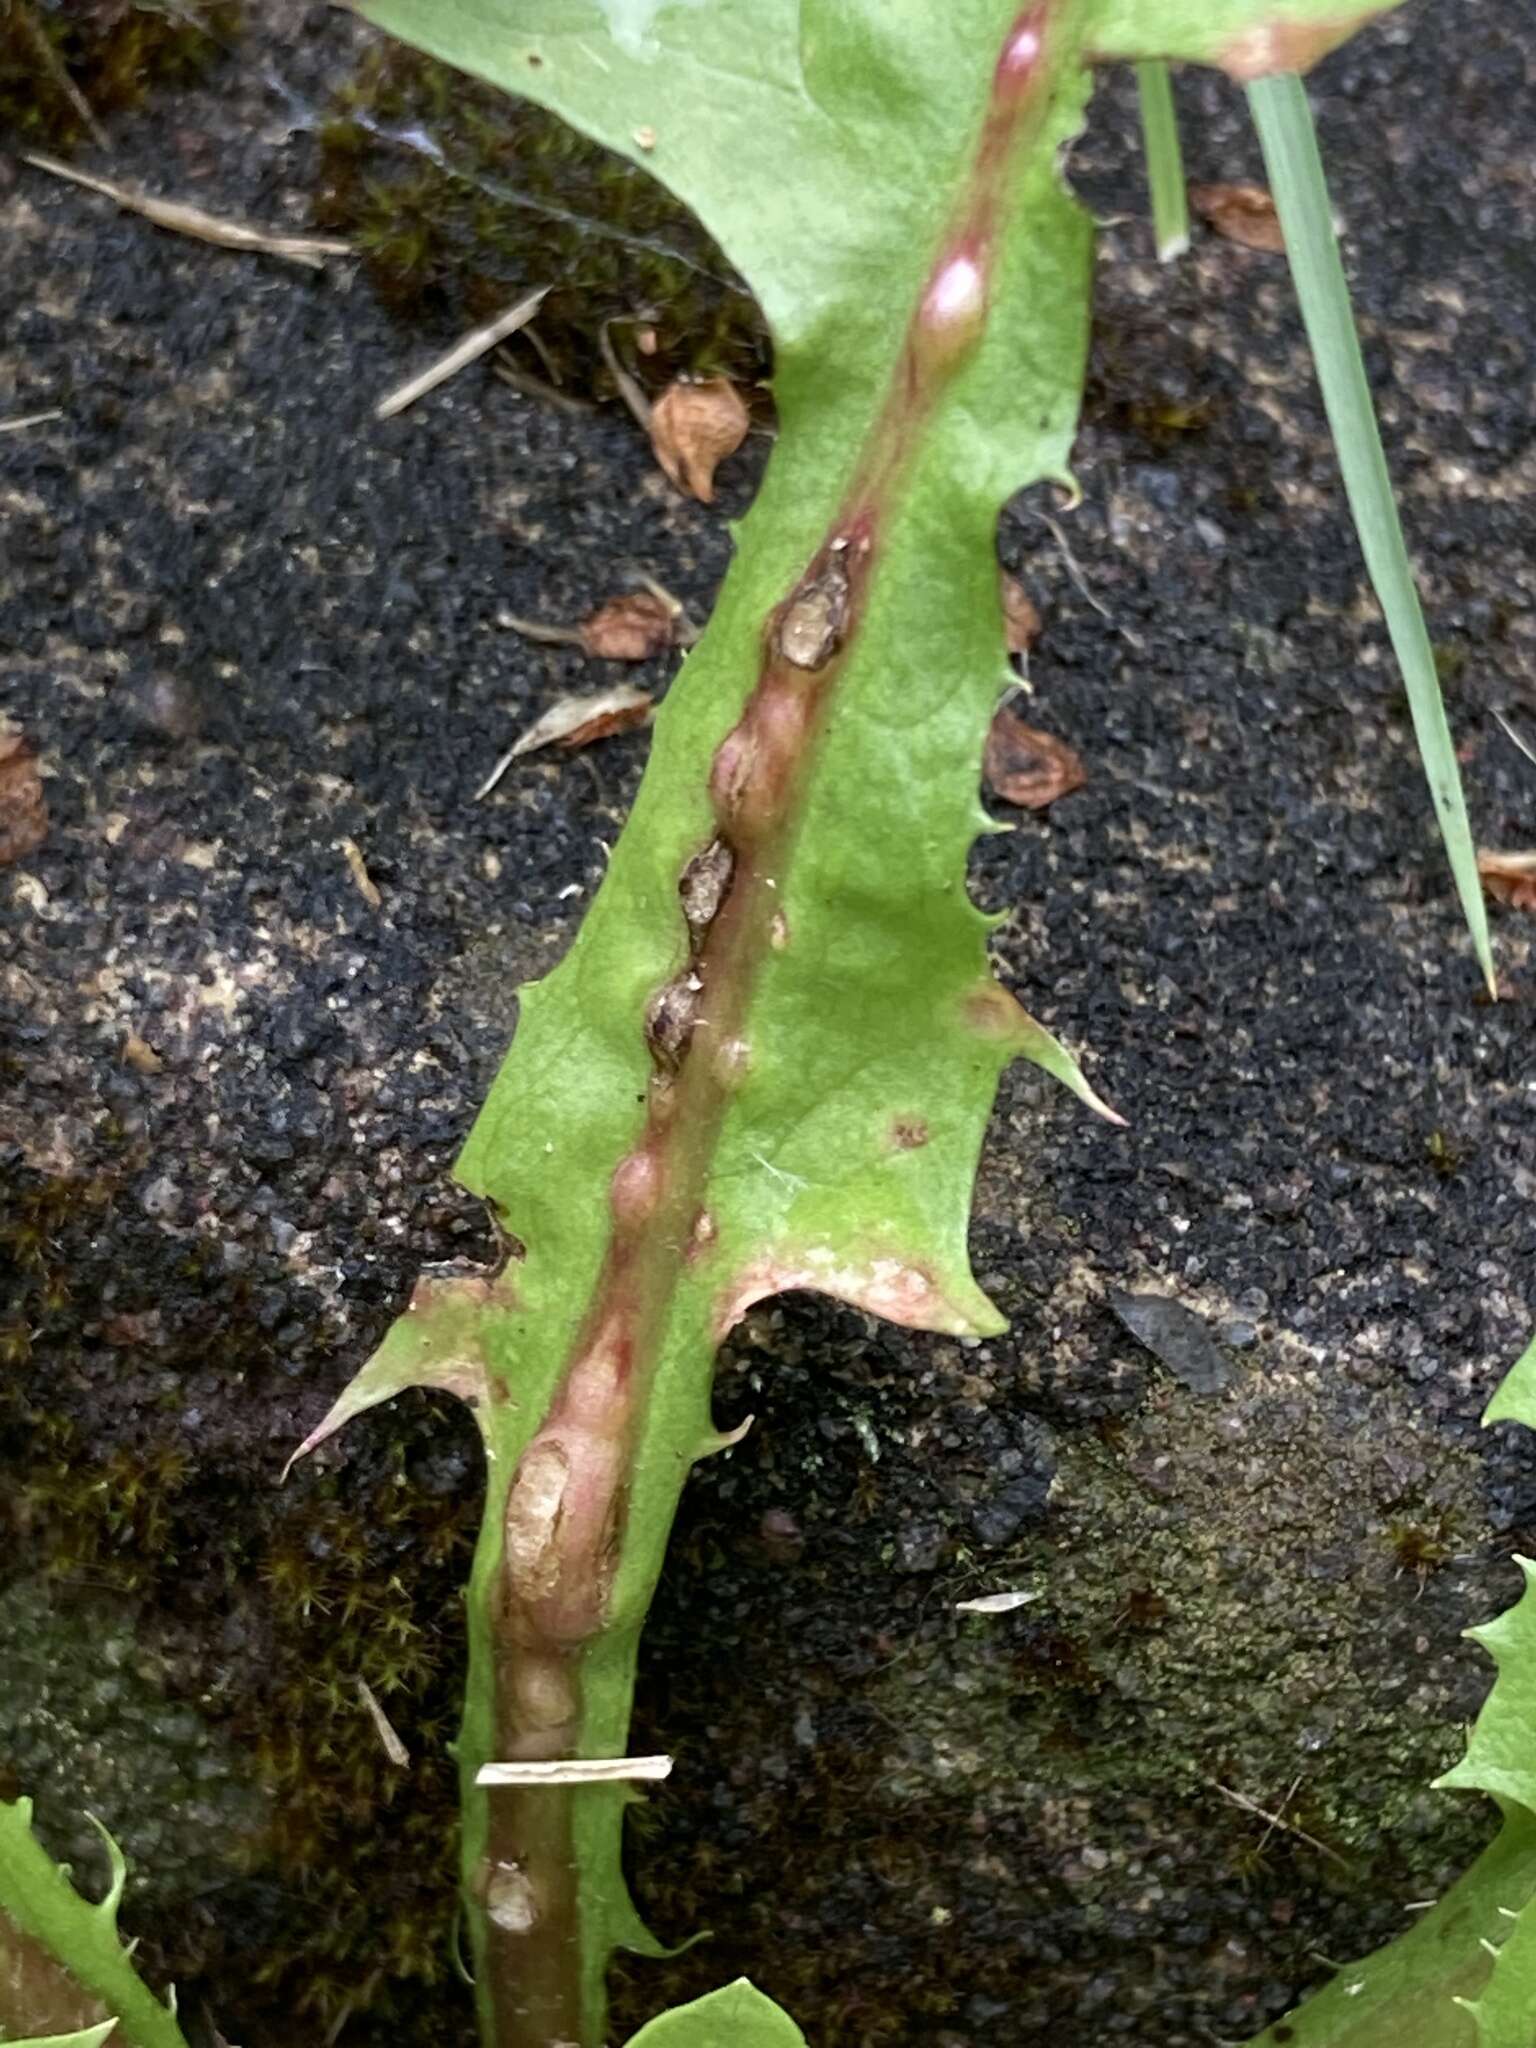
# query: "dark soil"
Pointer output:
{"type": "Point", "coordinates": [243, 624]}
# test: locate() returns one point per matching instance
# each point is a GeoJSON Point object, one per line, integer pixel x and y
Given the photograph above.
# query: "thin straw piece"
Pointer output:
{"type": "Point", "coordinates": [191, 220]}
{"type": "Point", "coordinates": [578, 1771]}
{"type": "Point", "coordinates": [462, 352]}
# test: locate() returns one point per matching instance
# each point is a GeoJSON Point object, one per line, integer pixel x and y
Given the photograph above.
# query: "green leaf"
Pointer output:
{"type": "Point", "coordinates": [1406, 1995]}
{"type": "Point", "coordinates": [1501, 1754]}
{"type": "Point", "coordinates": [1165, 160]}
{"type": "Point", "coordinates": [51, 1935]}
{"type": "Point", "coordinates": [1515, 1398]}
{"type": "Point", "coordinates": [438, 1343]}
{"type": "Point", "coordinates": [1247, 41]}
{"type": "Point", "coordinates": [768, 1060]}
{"type": "Point", "coordinates": [1505, 2014]}
{"type": "Point", "coordinates": [736, 2016]}
{"type": "Point", "coordinates": [1284, 122]}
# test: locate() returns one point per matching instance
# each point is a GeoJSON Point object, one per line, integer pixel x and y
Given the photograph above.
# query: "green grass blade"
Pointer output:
{"type": "Point", "coordinates": [1284, 122]}
{"type": "Point", "coordinates": [1165, 159]}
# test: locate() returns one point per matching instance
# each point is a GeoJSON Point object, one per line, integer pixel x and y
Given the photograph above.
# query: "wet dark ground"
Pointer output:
{"type": "Point", "coordinates": [243, 623]}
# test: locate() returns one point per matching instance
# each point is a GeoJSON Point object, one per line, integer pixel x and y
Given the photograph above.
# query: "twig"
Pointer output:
{"type": "Point", "coordinates": [191, 220]}
{"type": "Point", "coordinates": [1509, 731]}
{"type": "Point", "coordinates": [462, 352]}
{"type": "Point", "coordinates": [29, 419]}
{"type": "Point", "coordinates": [58, 71]}
{"type": "Point", "coordinates": [629, 389]}
{"type": "Point", "coordinates": [1277, 1820]}
{"type": "Point", "coordinates": [1080, 581]}
{"type": "Point", "coordinates": [684, 632]}
{"type": "Point", "coordinates": [528, 385]}
{"type": "Point", "coordinates": [578, 1771]}
{"type": "Point", "coordinates": [537, 629]}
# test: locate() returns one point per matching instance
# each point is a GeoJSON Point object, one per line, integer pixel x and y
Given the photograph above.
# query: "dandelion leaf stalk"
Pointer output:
{"type": "Point", "coordinates": [65, 1975]}
{"type": "Point", "coordinates": [768, 1060]}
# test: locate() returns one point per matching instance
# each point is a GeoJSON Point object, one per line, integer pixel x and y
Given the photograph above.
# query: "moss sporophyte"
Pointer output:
{"type": "Point", "coordinates": [768, 1060]}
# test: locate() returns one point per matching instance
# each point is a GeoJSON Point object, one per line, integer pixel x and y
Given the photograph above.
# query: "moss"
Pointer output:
{"type": "Point", "coordinates": [461, 198]}
{"type": "Point", "coordinates": [238, 1618]}
{"type": "Point", "coordinates": [61, 63]}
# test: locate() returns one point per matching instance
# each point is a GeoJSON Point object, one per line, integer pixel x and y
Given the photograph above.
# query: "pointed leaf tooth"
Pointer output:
{"type": "Point", "coordinates": [117, 1863]}
{"type": "Point", "coordinates": [722, 1440]}
{"type": "Point", "coordinates": [995, 1014]}
{"type": "Point", "coordinates": [1514, 1399]}
{"type": "Point", "coordinates": [439, 1343]}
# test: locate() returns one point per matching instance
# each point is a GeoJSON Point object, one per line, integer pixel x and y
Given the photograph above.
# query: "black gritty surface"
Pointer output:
{"type": "Point", "coordinates": [243, 623]}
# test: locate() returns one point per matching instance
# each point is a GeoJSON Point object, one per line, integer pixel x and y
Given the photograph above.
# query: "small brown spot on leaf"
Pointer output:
{"type": "Point", "coordinates": [1509, 878]}
{"type": "Point", "coordinates": [993, 1012]}
{"type": "Point", "coordinates": [1021, 622]}
{"type": "Point", "coordinates": [908, 1133]}
{"type": "Point", "coordinates": [1027, 767]}
{"type": "Point", "coordinates": [694, 427]}
{"type": "Point", "coordinates": [630, 628]}
{"type": "Point", "coordinates": [1240, 213]}
{"type": "Point", "coordinates": [23, 813]}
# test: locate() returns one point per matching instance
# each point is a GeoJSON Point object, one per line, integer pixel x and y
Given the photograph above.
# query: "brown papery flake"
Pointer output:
{"type": "Point", "coordinates": [1028, 767]}
{"type": "Point", "coordinates": [23, 812]}
{"type": "Point", "coordinates": [1021, 622]}
{"type": "Point", "coordinates": [1240, 213]}
{"type": "Point", "coordinates": [629, 628]}
{"type": "Point", "coordinates": [694, 427]}
{"type": "Point", "coordinates": [1509, 878]}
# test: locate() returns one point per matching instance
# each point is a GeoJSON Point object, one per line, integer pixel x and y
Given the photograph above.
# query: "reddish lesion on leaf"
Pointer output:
{"type": "Point", "coordinates": [1288, 45]}
{"type": "Point", "coordinates": [907, 1133]}
{"type": "Point", "coordinates": [898, 1290]}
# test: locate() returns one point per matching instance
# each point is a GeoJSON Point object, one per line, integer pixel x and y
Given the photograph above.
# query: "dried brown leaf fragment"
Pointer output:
{"type": "Point", "coordinates": [629, 628]}
{"type": "Point", "coordinates": [23, 811]}
{"type": "Point", "coordinates": [139, 1054]}
{"type": "Point", "coordinates": [1509, 878]}
{"type": "Point", "coordinates": [573, 722]}
{"type": "Point", "coordinates": [1028, 767]}
{"type": "Point", "coordinates": [1240, 213]}
{"type": "Point", "coordinates": [694, 427]}
{"type": "Point", "coordinates": [1021, 622]}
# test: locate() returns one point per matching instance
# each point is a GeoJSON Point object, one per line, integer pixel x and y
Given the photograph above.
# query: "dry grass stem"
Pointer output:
{"type": "Point", "coordinates": [462, 352]}
{"type": "Point", "coordinates": [1276, 1820]}
{"type": "Point", "coordinates": [527, 385]}
{"type": "Point", "coordinates": [628, 389]}
{"type": "Point", "coordinates": [310, 250]}
{"type": "Point", "coordinates": [546, 634]}
{"type": "Point", "coordinates": [357, 867]}
{"type": "Point", "coordinates": [29, 419]}
{"type": "Point", "coordinates": [22, 17]}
